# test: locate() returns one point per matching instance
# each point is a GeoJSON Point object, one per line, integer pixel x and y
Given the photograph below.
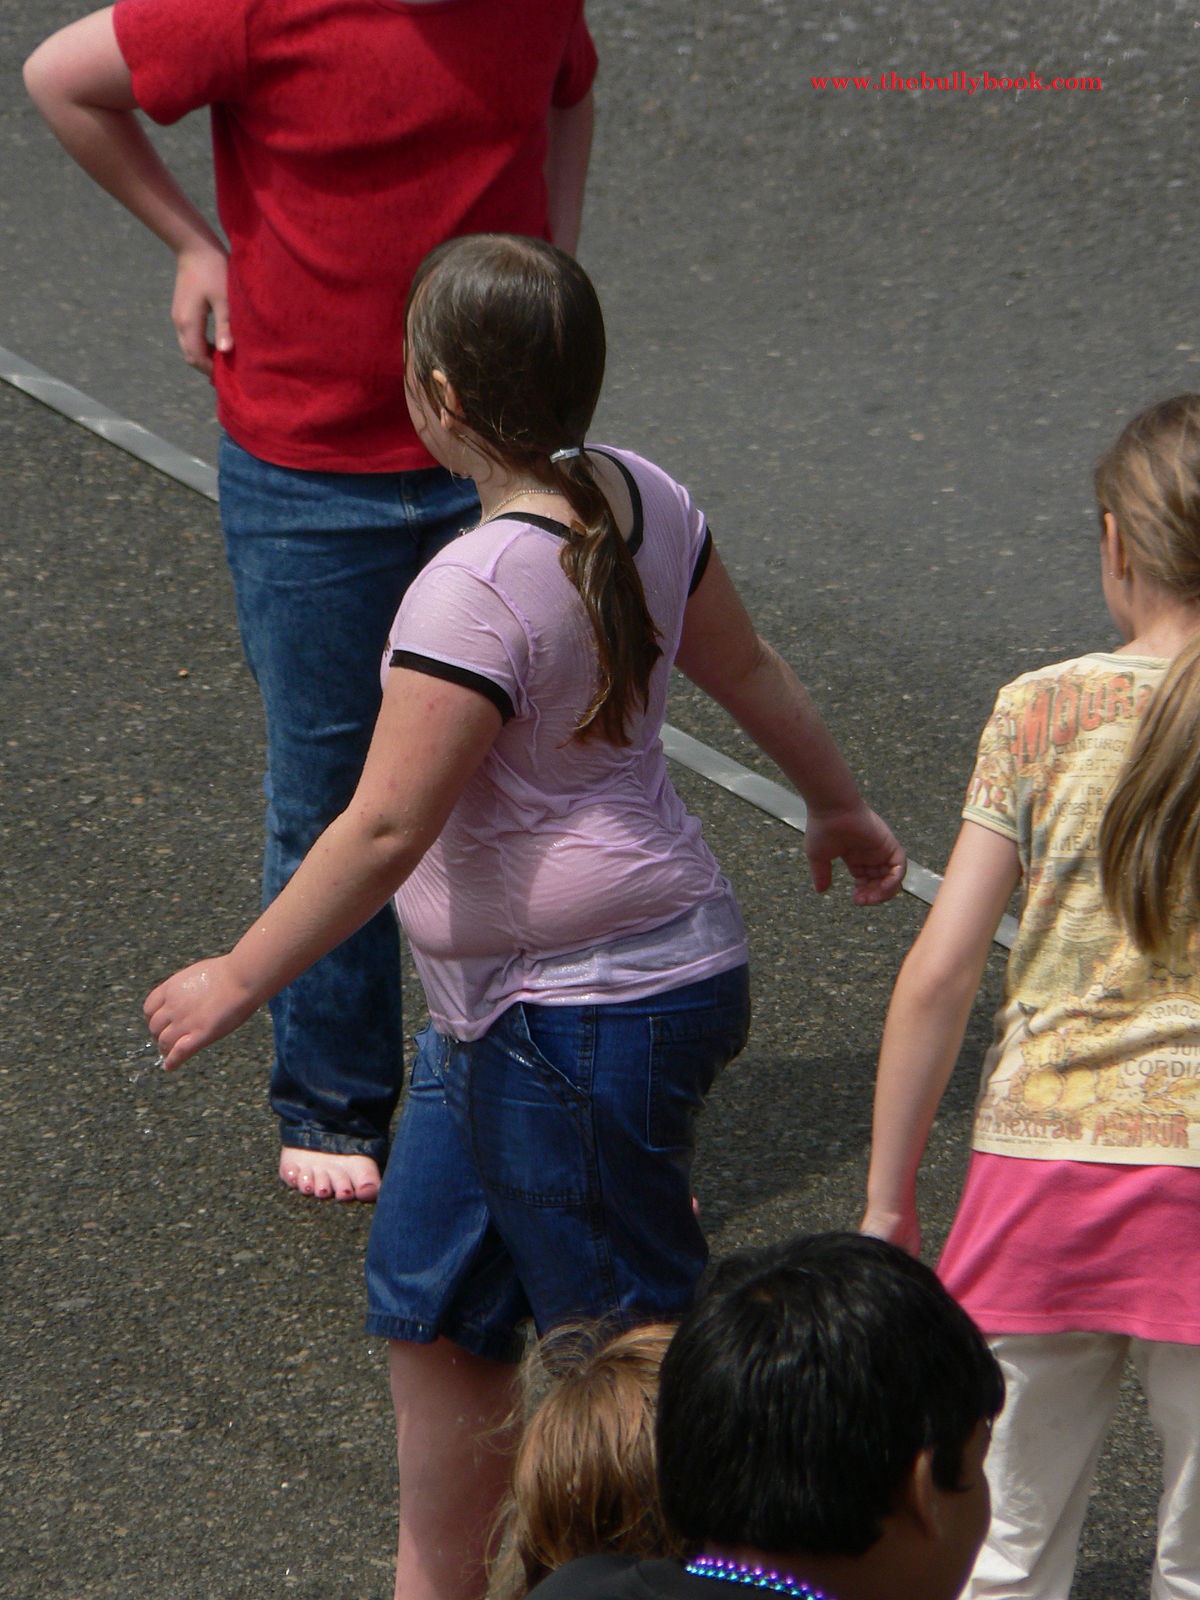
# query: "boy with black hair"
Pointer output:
{"type": "Point", "coordinates": [824, 1414]}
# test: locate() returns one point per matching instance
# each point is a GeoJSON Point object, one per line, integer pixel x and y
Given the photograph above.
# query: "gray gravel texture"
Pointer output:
{"type": "Point", "coordinates": [882, 335]}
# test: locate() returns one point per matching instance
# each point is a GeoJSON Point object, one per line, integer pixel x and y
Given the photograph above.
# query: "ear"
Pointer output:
{"type": "Point", "coordinates": [920, 1496]}
{"type": "Point", "coordinates": [1113, 547]}
{"type": "Point", "coordinates": [448, 407]}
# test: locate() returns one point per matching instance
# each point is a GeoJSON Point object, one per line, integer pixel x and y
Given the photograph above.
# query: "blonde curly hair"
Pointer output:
{"type": "Point", "coordinates": [584, 1472]}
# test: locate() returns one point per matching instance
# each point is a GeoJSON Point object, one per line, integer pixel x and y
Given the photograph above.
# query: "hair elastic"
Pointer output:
{"type": "Point", "coordinates": [567, 453]}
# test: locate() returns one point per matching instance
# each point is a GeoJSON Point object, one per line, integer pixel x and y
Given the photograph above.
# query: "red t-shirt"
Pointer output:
{"type": "Point", "coordinates": [350, 137]}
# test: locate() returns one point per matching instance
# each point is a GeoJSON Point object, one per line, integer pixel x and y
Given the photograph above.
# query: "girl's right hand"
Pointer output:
{"type": "Point", "coordinates": [195, 1008]}
{"type": "Point", "coordinates": [897, 1227]}
{"type": "Point", "coordinates": [867, 846]}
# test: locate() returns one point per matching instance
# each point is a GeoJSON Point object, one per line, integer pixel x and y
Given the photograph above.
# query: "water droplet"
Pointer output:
{"type": "Point", "coordinates": [136, 1057]}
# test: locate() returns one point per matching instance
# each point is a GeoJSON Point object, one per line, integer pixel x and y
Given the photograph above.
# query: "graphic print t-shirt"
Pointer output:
{"type": "Point", "coordinates": [1096, 1055]}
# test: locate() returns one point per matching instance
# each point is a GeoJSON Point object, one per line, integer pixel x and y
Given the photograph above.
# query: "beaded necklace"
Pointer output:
{"type": "Point", "coordinates": [756, 1577]}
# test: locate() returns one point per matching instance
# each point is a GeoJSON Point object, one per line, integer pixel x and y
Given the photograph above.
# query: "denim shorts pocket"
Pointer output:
{"type": "Point", "coordinates": [530, 1109]}
{"type": "Point", "coordinates": [687, 1051]}
{"type": "Point", "coordinates": [429, 1062]}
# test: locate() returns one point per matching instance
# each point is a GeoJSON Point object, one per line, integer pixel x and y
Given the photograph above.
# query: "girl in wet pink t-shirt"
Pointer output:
{"type": "Point", "coordinates": [584, 959]}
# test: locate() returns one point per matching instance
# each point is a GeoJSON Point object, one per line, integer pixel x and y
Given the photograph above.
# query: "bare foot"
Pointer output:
{"type": "Point", "coordinates": [326, 1176]}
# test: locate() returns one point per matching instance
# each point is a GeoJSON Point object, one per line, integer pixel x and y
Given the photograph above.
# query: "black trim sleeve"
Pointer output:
{"type": "Point", "coordinates": [463, 676]}
{"type": "Point", "coordinates": [701, 566]}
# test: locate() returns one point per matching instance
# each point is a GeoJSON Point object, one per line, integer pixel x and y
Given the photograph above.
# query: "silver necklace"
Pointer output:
{"type": "Point", "coordinates": [520, 495]}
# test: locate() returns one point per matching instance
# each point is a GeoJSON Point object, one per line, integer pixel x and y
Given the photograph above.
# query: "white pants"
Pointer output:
{"type": "Point", "coordinates": [1062, 1391]}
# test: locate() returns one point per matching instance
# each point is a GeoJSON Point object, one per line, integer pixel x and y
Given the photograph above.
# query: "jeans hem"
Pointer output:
{"type": "Point", "coordinates": [333, 1144]}
{"type": "Point", "coordinates": [488, 1344]}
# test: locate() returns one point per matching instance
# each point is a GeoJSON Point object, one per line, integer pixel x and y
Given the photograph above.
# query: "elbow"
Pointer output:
{"type": "Point", "coordinates": [392, 846]}
{"type": "Point", "coordinates": [34, 74]}
{"type": "Point", "coordinates": [394, 854]}
{"type": "Point", "coordinates": [735, 683]}
{"type": "Point", "coordinates": [939, 979]}
{"type": "Point", "coordinates": [44, 79]}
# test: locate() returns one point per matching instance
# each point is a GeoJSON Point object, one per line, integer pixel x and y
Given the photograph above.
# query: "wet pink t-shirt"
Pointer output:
{"type": "Point", "coordinates": [569, 871]}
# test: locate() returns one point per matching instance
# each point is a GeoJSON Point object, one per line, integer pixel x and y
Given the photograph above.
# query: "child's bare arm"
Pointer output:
{"type": "Point", "coordinates": [723, 655]}
{"type": "Point", "coordinates": [568, 152]}
{"type": "Point", "coordinates": [429, 739]}
{"type": "Point", "coordinates": [80, 83]}
{"type": "Point", "coordinates": [926, 1021]}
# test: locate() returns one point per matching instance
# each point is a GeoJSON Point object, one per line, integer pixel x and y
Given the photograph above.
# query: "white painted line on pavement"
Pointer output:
{"type": "Point", "coordinates": [788, 807]}
{"type": "Point", "coordinates": [109, 425]}
{"type": "Point", "coordinates": [770, 797]}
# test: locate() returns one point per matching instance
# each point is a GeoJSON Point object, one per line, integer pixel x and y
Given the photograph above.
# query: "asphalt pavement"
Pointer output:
{"type": "Point", "coordinates": [882, 334]}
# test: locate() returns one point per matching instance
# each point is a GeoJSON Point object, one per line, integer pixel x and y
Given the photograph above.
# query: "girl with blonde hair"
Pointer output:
{"type": "Point", "coordinates": [1075, 1240]}
{"type": "Point", "coordinates": [584, 1479]}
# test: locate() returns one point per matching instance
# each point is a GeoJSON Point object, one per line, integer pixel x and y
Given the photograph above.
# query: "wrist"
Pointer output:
{"type": "Point", "coordinates": [197, 246]}
{"type": "Point", "coordinates": [891, 1199]}
{"type": "Point", "coordinates": [846, 806]}
{"type": "Point", "coordinates": [244, 988]}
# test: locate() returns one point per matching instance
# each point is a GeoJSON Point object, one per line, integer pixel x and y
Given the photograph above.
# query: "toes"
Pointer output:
{"type": "Point", "coordinates": [297, 1168]}
{"type": "Point", "coordinates": [341, 1187]}
{"type": "Point", "coordinates": [328, 1181]}
{"type": "Point", "coordinates": [324, 1176]}
{"type": "Point", "coordinates": [362, 1179]}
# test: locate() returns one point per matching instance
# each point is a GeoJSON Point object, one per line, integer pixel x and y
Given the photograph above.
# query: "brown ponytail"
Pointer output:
{"type": "Point", "coordinates": [517, 329]}
{"type": "Point", "coordinates": [597, 561]}
{"type": "Point", "coordinates": [1149, 843]}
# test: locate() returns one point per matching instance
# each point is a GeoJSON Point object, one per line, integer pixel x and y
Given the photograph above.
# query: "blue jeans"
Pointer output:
{"type": "Point", "coordinates": [545, 1169]}
{"type": "Point", "coordinates": [320, 563]}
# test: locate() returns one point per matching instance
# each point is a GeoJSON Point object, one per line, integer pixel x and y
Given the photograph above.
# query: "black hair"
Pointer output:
{"type": "Point", "coordinates": [800, 1389]}
{"type": "Point", "coordinates": [516, 327]}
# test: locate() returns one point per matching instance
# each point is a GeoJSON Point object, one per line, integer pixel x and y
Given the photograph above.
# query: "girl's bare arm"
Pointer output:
{"type": "Point", "coordinates": [927, 1019]}
{"type": "Point", "coordinates": [721, 652]}
{"type": "Point", "coordinates": [429, 739]}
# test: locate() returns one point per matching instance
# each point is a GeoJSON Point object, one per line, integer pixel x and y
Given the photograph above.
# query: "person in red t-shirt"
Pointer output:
{"type": "Point", "coordinates": [349, 138]}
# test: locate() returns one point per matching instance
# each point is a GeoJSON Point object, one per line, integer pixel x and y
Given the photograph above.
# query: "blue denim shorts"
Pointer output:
{"type": "Point", "coordinates": [544, 1170]}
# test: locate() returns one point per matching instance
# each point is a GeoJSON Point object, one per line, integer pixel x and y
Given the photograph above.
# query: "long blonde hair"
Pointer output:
{"type": "Point", "coordinates": [584, 1477]}
{"type": "Point", "coordinates": [1149, 846]}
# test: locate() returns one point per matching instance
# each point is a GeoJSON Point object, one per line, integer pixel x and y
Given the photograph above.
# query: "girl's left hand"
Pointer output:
{"type": "Point", "coordinates": [897, 1227]}
{"type": "Point", "coordinates": [195, 1008]}
{"type": "Point", "coordinates": [865, 843]}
